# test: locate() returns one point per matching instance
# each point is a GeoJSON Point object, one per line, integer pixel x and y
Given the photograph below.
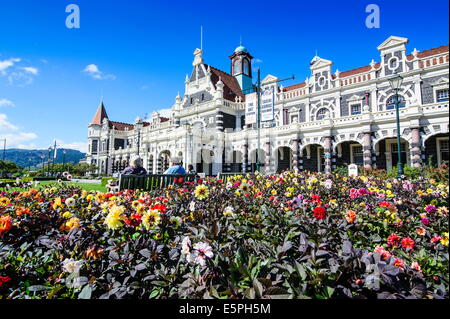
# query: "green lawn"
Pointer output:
{"type": "Point", "coordinates": [86, 186]}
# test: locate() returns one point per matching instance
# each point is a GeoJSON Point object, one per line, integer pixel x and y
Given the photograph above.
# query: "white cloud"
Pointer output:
{"type": "Point", "coordinates": [6, 126]}
{"type": "Point", "coordinates": [7, 64]}
{"type": "Point", "coordinates": [31, 70]}
{"type": "Point", "coordinates": [20, 76]}
{"type": "Point", "coordinates": [10, 132]}
{"type": "Point", "coordinates": [94, 72]}
{"type": "Point", "coordinates": [5, 102]}
{"type": "Point", "coordinates": [79, 146]}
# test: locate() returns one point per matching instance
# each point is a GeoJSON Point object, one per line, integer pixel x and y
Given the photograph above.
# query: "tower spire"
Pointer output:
{"type": "Point", "coordinates": [201, 37]}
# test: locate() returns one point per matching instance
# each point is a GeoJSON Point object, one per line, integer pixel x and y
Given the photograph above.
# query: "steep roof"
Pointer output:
{"type": "Point", "coordinates": [231, 87]}
{"type": "Point", "coordinates": [100, 115]}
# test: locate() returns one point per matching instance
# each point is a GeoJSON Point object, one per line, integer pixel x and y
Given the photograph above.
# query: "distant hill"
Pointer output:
{"type": "Point", "coordinates": [33, 158]}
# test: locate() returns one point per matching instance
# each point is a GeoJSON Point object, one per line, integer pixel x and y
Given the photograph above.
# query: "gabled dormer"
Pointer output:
{"type": "Point", "coordinates": [393, 55]}
{"type": "Point", "coordinates": [321, 73]}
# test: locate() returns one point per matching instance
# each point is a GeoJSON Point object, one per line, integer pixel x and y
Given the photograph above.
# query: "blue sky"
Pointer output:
{"type": "Point", "coordinates": [144, 49]}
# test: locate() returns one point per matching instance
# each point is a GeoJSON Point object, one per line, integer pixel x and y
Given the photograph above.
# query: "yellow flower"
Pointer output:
{"type": "Point", "coordinates": [238, 193]}
{"type": "Point", "coordinates": [135, 204]}
{"type": "Point", "coordinates": [89, 197]}
{"type": "Point", "coordinates": [273, 192]}
{"type": "Point", "coordinates": [73, 223]}
{"type": "Point", "coordinates": [57, 203]}
{"type": "Point", "coordinates": [84, 194]}
{"type": "Point", "coordinates": [389, 185]}
{"type": "Point", "coordinates": [201, 192]}
{"type": "Point", "coordinates": [4, 201]}
{"type": "Point", "coordinates": [444, 240]}
{"type": "Point", "coordinates": [268, 184]}
{"type": "Point", "coordinates": [429, 191]}
{"type": "Point", "coordinates": [100, 197]}
{"type": "Point", "coordinates": [67, 214]}
{"type": "Point", "coordinates": [151, 219]}
{"type": "Point", "coordinates": [112, 198]}
{"type": "Point", "coordinates": [115, 217]}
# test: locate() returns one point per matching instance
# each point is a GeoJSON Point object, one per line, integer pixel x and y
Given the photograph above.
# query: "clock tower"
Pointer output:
{"type": "Point", "coordinates": [241, 67]}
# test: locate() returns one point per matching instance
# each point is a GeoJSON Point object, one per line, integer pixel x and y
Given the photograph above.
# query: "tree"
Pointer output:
{"type": "Point", "coordinates": [7, 167]}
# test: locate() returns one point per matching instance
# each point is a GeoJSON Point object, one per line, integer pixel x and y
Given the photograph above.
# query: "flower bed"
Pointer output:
{"type": "Point", "coordinates": [294, 235]}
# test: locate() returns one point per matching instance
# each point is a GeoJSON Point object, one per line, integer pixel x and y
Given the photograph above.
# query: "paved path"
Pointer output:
{"type": "Point", "coordinates": [87, 181]}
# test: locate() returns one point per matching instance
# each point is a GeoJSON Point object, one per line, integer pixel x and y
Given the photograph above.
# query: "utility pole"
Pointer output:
{"type": "Point", "coordinates": [4, 149]}
{"type": "Point", "coordinates": [257, 88]}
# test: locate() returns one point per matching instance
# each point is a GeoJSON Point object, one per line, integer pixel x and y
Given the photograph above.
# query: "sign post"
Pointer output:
{"type": "Point", "coordinates": [352, 170]}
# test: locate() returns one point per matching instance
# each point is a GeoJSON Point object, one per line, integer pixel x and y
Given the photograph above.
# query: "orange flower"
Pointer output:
{"type": "Point", "coordinates": [350, 216]}
{"type": "Point", "coordinates": [421, 231]}
{"type": "Point", "coordinates": [5, 225]}
{"type": "Point", "coordinates": [22, 211]}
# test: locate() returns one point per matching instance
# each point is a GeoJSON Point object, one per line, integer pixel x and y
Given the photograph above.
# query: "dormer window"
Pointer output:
{"type": "Point", "coordinates": [355, 109]}
{"type": "Point", "coordinates": [442, 95]}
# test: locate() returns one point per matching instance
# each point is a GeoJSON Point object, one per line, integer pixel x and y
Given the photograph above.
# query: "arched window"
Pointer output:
{"type": "Point", "coordinates": [321, 114]}
{"type": "Point", "coordinates": [390, 102]}
{"type": "Point", "coordinates": [237, 67]}
{"type": "Point", "coordinates": [246, 68]}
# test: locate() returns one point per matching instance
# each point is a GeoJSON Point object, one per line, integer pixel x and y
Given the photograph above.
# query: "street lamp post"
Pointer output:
{"type": "Point", "coordinates": [396, 82]}
{"type": "Point", "coordinates": [48, 163]}
{"type": "Point", "coordinates": [139, 124]}
{"type": "Point", "coordinates": [64, 160]}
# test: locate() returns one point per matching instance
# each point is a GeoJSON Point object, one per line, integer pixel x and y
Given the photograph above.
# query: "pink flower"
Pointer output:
{"type": "Point", "coordinates": [399, 263]}
{"type": "Point", "coordinates": [430, 209]}
{"type": "Point", "coordinates": [425, 221]}
{"type": "Point", "coordinates": [201, 252]}
{"type": "Point", "coordinates": [415, 265]}
{"type": "Point", "coordinates": [383, 253]}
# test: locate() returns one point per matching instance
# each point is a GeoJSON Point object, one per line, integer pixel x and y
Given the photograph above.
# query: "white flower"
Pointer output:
{"type": "Point", "coordinates": [70, 202]}
{"type": "Point", "coordinates": [69, 177]}
{"type": "Point", "coordinates": [186, 248]}
{"type": "Point", "coordinates": [71, 265]}
{"type": "Point", "coordinates": [192, 206]}
{"type": "Point", "coordinates": [328, 183]}
{"type": "Point", "coordinates": [201, 252]}
{"type": "Point", "coordinates": [65, 174]}
{"type": "Point", "coordinates": [229, 185]}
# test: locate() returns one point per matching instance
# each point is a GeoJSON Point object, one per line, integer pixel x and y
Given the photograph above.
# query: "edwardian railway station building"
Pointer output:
{"type": "Point", "coordinates": [331, 119]}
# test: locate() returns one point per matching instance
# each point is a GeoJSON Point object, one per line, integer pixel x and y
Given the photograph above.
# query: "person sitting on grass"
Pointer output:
{"type": "Point", "coordinates": [135, 168]}
{"type": "Point", "coordinates": [176, 168]}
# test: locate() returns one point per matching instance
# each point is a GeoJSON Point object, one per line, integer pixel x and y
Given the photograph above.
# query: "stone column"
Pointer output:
{"type": "Point", "coordinates": [367, 150]}
{"type": "Point", "coordinates": [416, 151]}
{"type": "Point", "coordinates": [268, 168]}
{"type": "Point", "coordinates": [244, 167]}
{"type": "Point", "coordinates": [295, 148]}
{"type": "Point", "coordinates": [327, 152]}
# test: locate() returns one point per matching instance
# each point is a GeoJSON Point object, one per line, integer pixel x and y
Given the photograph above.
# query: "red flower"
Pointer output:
{"type": "Point", "coordinates": [399, 263]}
{"type": "Point", "coordinates": [199, 181]}
{"type": "Point", "coordinates": [393, 240]}
{"type": "Point", "coordinates": [319, 212]}
{"type": "Point", "coordinates": [384, 204]}
{"type": "Point", "coordinates": [159, 207]}
{"type": "Point", "coordinates": [315, 198]}
{"type": "Point", "coordinates": [408, 243]}
{"type": "Point", "coordinates": [4, 280]}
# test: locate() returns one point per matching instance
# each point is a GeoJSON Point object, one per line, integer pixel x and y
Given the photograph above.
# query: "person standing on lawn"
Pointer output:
{"type": "Point", "coordinates": [176, 168]}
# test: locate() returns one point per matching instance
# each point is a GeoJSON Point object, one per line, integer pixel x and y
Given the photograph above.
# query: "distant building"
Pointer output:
{"type": "Point", "coordinates": [329, 120]}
